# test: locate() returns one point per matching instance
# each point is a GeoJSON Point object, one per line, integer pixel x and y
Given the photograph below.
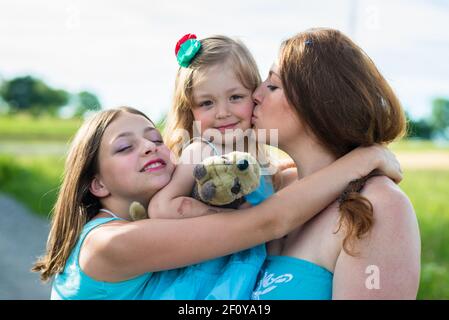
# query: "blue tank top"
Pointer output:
{"type": "Point", "coordinates": [73, 283]}
{"type": "Point", "coordinates": [289, 278]}
{"type": "Point", "coordinates": [231, 277]}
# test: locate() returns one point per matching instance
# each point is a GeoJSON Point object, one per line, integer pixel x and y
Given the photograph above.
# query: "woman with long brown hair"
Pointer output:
{"type": "Point", "coordinates": [326, 97]}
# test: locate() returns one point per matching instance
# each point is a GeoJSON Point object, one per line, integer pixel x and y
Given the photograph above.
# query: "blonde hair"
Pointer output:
{"type": "Point", "coordinates": [214, 50]}
{"type": "Point", "coordinates": [75, 205]}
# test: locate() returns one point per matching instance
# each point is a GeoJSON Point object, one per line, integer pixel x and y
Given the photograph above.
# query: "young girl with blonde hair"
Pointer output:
{"type": "Point", "coordinates": [213, 105]}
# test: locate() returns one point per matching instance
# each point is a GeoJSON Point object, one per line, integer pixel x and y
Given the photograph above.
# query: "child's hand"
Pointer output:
{"type": "Point", "coordinates": [285, 164]}
{"type": "Point", "coordinates": [245, 205]}
{"type": "Point", "coordinates": [387, 163]}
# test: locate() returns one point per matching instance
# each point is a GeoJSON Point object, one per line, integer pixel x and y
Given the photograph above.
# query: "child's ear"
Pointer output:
{"type": "Point", "coordinates": [97, 188]}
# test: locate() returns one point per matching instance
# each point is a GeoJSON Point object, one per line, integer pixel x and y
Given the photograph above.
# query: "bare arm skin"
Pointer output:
{"type": "Point", "coordinates": [388, 263]}
{"type": "Point", "coordinates": [120, 250]}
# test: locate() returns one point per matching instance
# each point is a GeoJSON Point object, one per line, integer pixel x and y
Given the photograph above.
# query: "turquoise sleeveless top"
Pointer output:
{"type": "Point", "coordinates": [231, 277]}
{"type": "Point", "coordinates": [73, 283]}
{"type": "Point", "coordinates": [289, 278]}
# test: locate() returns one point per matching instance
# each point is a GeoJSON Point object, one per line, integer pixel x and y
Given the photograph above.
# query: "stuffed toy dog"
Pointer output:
{"type": "Point", "coordinates": [224, 180]}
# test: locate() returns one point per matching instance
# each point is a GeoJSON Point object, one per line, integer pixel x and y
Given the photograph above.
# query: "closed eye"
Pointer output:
{"type": "Point", "coordinates": [155, 137]}
{"type": "Point", "coordinates": [271, 87]}
{"type": "Point", "coordinates": [124, 149]}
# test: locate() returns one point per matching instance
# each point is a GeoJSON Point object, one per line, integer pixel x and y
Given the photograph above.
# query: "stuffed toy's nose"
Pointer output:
{"type": "Point", "coordinates": [236, 187]}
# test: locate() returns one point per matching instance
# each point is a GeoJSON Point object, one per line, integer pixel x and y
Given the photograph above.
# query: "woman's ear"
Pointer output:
{"type": "Point", "coordinates": [98, 189]}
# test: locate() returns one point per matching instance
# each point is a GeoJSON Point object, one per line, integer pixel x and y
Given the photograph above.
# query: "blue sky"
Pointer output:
{"type": "Point", "coordinates": [124, 50]}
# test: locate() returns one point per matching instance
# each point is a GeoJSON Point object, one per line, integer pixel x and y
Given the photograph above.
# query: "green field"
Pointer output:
{"type": "Point", "coordinates": [27, 128]}
{"type": "Point", "coordinates": [34, 179]}
{"type": "Point", "coordinates": [428, 192]}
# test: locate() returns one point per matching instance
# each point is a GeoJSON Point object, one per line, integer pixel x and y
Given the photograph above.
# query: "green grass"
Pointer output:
{"type": "Point", "coordinates": [27, 128]}
{"type": "Point", "coordinates": [428, 191]}
{"type": "Point", "coordinates": [32, 181]}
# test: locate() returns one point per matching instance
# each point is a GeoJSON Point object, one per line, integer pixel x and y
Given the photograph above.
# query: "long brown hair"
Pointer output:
{"type": "Point", "coordinates": [342, 98]}
{"type": "Point", "coordinates": [75, 205]}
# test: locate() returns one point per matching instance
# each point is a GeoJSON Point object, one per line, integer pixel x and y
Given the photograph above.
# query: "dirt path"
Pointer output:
{"type": "Point", "coordinates": [424, 160]}
{"type": "Point", "coordinates": [22, 239]}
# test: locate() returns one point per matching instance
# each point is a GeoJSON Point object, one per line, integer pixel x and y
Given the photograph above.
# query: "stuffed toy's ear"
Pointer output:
{"type": "Point", "coordinates": [200, 172]}
{"type": "Point", "coordinates": [137, 211]}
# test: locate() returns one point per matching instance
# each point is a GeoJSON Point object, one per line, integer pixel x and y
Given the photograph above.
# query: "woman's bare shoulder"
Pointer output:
{"type": "Point", "coordinates": [390, 203]}
{"type": "Point", "coordinates": [392, 246]}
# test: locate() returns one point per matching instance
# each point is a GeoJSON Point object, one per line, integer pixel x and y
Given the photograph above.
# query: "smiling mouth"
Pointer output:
{"type": "Point", "coordinates": [154, 165]}
{"type": "Point", "coordinates": [228, 126]}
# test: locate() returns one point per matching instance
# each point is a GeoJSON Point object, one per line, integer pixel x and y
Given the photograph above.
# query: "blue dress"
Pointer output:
{"type": "Point", "coordinates": [231, 277]}
{"type": "Point", "coordinates": [290, 278]}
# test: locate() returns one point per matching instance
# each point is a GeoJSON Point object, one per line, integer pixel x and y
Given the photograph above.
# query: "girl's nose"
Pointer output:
{"type": "Point", "coordinates": [257, 95]}
{"type": "Point", "coordinates": [222, 111]}
{"type": "Point", "coordinates": [149, 146]}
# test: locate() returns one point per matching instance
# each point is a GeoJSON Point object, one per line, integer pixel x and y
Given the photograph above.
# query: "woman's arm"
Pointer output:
{"type": "Point", "coordinates": [388, 262]}
{"type": "Point", "coordinates": [124, 250]}
{"type": "Point", "coordinates": [174, 201]}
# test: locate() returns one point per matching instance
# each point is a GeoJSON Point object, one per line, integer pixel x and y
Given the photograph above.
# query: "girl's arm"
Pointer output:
{"type": "Point", "coordinates": [123, 250]}
{"type": "Point", "coordinates": [174, 201]}
{"type": "Point", "coordinates": [387, 264]}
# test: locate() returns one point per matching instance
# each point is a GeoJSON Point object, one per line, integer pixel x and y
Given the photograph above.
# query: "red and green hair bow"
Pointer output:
{"type": "Point", "coordinates": [186, 49]}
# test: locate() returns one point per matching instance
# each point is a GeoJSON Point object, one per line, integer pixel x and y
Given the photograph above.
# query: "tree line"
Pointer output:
{"type": "Point", "coordinates": [31, 95]}
{"type": "Point", "coordinates": [435, 126]}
